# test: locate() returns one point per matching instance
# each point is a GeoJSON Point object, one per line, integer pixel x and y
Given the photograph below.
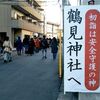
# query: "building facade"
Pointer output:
{"type": "Point", "coordinates": [52, 30]}
{"type": "Point", "coordinates": [20, 18]}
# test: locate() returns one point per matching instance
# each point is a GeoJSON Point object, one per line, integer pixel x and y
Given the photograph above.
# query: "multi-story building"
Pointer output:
{"type": "Point", "coordinates": [51, 26]}
{"type": "Point", "coordinates": [52, 30]}
{"type": "Point", "coordinates": [20, 18]}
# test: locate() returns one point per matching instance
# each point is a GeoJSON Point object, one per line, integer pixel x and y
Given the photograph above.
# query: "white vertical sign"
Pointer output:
{"type": "Point", "coordinates": [75, 46]}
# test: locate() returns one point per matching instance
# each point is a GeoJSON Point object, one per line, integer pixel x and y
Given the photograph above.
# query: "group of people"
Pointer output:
{"type": "Point", "coordinates": [29, 46]}
{"type": "Point", "coordinates": [36, 44]}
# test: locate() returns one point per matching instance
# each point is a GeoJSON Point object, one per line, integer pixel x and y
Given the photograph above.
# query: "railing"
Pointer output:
{"type": "Point", "coordinates": [24, 4]}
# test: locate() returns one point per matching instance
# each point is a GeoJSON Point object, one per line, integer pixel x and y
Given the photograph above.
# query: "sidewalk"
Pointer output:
{"type": "Point", "coordinates": [30, 78]}
{"type": "Point", "coordinates": [68, 95]}
{"type": "Point", "coordinates": [61, 95]}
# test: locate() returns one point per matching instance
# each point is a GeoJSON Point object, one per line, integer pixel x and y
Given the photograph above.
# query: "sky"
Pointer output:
{"type": "Point", "coordinates": [53, 10]}
{"type": "Point", "coordinates": [74, 2]}
{"type": "Point", "coordinates": [53, 13]}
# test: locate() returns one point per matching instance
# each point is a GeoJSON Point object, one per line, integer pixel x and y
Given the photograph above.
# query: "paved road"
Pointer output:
{"type": "Point", "coordinates": [29, 78]}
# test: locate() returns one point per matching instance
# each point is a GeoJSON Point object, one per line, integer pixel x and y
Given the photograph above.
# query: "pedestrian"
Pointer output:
{"type": "Point", "coordinates": [54, 47]}
{"type": "Point", "coordinates": [19, 46]}
{"type": "Point", "coordinates": [37, 44]}
{"type": "Point", "coordinates": [44, 45]}
{"type": "Point", "coordinates": [31, 47]}
{"type": "Point", "coordinates": [7, 50]}
{"type": "Point", "coordinates": [26, 43]}
{"type": "Point", "coordinates": [1, 47]}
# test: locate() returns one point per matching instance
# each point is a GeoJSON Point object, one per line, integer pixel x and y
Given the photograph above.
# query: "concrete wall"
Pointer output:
{"type": "Point", "coordinates": [5, 19]}
{"type": "Point", "coordinates": [24, 32]}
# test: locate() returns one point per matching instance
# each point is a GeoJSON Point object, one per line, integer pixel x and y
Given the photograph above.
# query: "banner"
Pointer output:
{"type": "Point", "coordinates": [82, 49]}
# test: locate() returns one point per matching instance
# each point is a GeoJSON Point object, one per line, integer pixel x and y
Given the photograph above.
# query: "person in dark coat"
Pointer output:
{"type": "Point", "coordinates": [54, 47]}
{"type": "Point", "coordinates": [26, 44]}
{"type": "Point", "coordinates": [31, 46]}
{"type": "Point", "coordinates": [19, 46]}
{"type": "Point", "coordinates": [1, 46]}
{"type": "Point", "coordinates": [44, 45]}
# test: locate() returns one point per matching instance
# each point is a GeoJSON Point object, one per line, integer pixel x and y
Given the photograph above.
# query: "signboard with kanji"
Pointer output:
{"type": "Point", "coordinates": [82, 49]}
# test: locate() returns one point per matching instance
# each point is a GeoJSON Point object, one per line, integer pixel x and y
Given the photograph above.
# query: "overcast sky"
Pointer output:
{"type": "Point", "coordinates": [53, 11]}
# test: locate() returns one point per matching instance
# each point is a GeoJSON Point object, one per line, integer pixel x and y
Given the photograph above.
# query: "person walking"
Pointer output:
{"type": "Point", "coordinates": [31, 47]}
{"type": "Point", "coordinates": [44, 45]}
{"type": "Point", "coordinates": [54, 47]}
{"type": "Point", "coordinates": [26, 44]}
{"type": "Point", "coordinates": [7, 50]}
{"type": "Point", "coordinates": [19, 46]}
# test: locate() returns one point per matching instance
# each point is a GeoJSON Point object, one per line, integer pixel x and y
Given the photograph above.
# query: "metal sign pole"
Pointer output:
{"type": "Point", "coordinates": [60, 56]}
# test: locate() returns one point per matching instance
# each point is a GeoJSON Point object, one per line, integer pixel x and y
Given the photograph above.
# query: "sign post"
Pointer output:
{"type": "Point", "coordinates": [60, 55]}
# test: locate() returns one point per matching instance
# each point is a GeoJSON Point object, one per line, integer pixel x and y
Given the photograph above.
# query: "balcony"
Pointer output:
{"type": "Point", "coordinates": [25, 6]}
{"type": "Point", "coordinates": [23, 24]}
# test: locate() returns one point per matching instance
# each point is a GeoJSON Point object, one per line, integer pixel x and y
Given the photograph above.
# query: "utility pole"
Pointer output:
{"type": "Point", "coordinates": [64, 2]}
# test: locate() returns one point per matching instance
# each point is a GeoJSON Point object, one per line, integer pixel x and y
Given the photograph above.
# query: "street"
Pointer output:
{"type": "Point", "coordinates": [29, 78]}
